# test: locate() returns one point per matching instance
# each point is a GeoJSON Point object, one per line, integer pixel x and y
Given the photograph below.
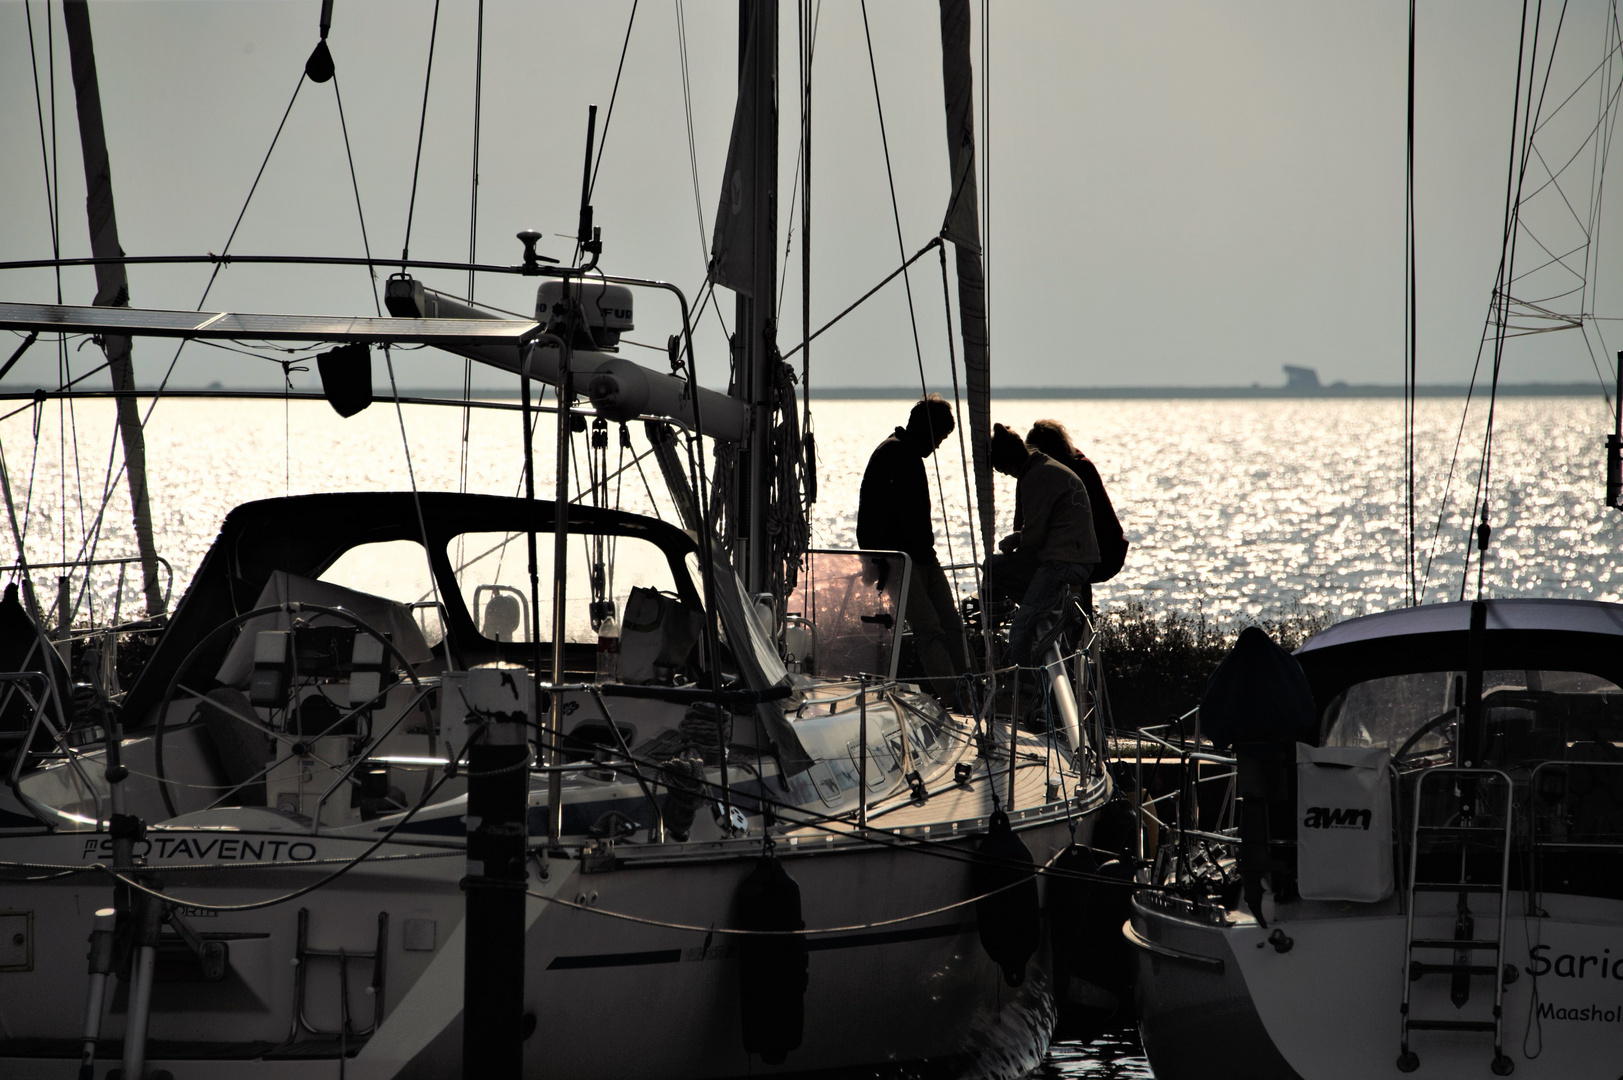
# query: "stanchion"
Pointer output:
{"type": "Point", "coordinates": [101, 965]}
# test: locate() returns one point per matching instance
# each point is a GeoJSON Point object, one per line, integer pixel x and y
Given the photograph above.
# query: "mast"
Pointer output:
{"type": "Point", "coordinates": [962, 227]}
{"type": "Point", "coordinates": [754, 328]}
{"type": "Point", "coordinates": [112, 285]}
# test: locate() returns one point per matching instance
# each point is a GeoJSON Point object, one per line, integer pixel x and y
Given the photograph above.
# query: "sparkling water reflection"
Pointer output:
{"type": "Point", "coordinates": [1113, 1055]}
{"type": "Point", "coordinates": [1234, 507]}
{"type": "Point", "coordinates": [1246, 507]}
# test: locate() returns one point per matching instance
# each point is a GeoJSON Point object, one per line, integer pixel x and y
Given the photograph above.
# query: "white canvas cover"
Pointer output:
{"type": "Point", "coordinates": [657, 636]}
{"type": "Point", "coordinates": [1343, 823]}
{"type": "Point", "coordinates": [387, 616]}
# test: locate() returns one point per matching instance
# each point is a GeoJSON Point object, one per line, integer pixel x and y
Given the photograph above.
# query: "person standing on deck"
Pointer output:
{"type": "Point", "coordinates": [1055, 546]}
{"type": "Point", "coordinates": [893, 514]}
{"type": "Point", "coordinates": [1051, 438]}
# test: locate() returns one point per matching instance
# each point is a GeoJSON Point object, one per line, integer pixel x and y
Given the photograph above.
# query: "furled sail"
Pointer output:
{"type": "Point", "coordinates": [732, 245]}
{"type": "Point", "coordinates": [962, 227]}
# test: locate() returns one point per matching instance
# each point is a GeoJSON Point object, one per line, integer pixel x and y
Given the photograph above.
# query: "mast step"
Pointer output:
{"type": "Point", "coordinates": [1456, 886]}
{"type": "Point", "coordinates": [1417, 969]}
{"type": "Point", "coordinates": [1448, 943]}
{"type": "Point", "coordinates": [1453, 1025]}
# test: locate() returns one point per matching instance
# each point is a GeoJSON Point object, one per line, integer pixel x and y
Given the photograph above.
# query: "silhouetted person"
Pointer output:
{"type": "Point", "coordinates": [1051, 438]}
{"type": "Point", "coordinates": [1055, 546]}
{"type": "Point", "coordinates": [23, 648]}
{"type": "Point", "coordinates": [894, 515]}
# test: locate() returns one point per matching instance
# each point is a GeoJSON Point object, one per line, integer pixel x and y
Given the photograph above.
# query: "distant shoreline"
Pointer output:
{"type": "Point", "coordinates": [1062, 393]}
{"type": "Point", "coordinates": [1118, 393]}
{"type": "Point", "coordinates": [1361, 390]}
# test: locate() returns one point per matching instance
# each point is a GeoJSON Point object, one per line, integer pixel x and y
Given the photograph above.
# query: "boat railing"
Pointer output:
{"type": "Point", "coordinates": [14, 683]}
{"type": "Point", "coordinates": [1552, 793]}
{"type": "Point", "coordinates": [1185, 813]}
{"type": "Point", "coordinates": [67, 604]}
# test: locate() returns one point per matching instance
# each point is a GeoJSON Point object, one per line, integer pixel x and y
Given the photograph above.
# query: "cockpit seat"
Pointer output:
{"type": "Point", "coordinates": [242, 749]}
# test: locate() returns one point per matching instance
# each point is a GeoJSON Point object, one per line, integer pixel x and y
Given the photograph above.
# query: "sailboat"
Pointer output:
{"type": "Point", "coordinates": [1397, 853]}
{"type": "Point", "coordinates": [670, 807]}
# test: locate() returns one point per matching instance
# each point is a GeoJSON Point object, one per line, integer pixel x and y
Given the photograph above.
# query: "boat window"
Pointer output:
{"type": "Point", "coordinates": [879, 765]}
{"type": "Point", "coordinates": [493, 575]}
{"type": "Point", "coordinates": [396, 570]}
{"type": "Point", "coordinates": [1527, 715]}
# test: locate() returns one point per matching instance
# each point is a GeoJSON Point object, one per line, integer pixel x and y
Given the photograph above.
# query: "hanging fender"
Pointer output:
{"type": "Point", "coordinates": [1007, 913]}
{"type": "Point", "coordinates": [772, 973]}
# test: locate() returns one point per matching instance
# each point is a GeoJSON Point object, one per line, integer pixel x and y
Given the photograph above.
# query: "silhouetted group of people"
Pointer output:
{"type": "Point", "coordinates": [1066, 534]}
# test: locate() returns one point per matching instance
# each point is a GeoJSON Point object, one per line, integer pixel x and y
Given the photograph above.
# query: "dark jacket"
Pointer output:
{"type": "Point", "coordinates": [893, 513]}
{"type": "Point", "coordinates": [1056, 517]}
{"type": "Point", "coordinates": [1106, 526]}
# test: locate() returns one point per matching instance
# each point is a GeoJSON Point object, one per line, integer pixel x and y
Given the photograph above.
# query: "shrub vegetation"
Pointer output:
{"type": "Point", "coordinates": [1157, 664]}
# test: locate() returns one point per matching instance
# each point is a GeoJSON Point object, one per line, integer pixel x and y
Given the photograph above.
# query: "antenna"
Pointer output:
{"type": "Point", "coordinates": [588, 237]}
{"type": "Point", "coordinates": [1614, 446]}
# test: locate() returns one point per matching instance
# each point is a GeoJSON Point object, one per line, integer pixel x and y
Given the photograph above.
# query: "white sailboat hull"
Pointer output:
{"type": "Point", "coordinates": [611, 997]}
{"type": "Point", "coordinates": [1218, 1001]}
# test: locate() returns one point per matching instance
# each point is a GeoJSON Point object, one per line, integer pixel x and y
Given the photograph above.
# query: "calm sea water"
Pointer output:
{"type": "Point", "coordinates": [1233, 507]}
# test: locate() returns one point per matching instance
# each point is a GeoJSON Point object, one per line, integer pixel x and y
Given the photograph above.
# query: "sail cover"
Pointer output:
{"type": "Point", "coordinates": [137, 322]}
{"type": "Point", "coordinates": [962, 227]}
{"type": "Point", "coordinates": [732, 246]}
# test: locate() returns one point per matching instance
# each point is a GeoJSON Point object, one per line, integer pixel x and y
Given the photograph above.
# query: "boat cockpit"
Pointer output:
{"type": "Point", "coordinates": [311, 671]}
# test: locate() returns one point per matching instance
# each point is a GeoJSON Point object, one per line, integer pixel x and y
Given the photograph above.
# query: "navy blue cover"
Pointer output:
{"type": "Point", "coordinates": [1259, 693]}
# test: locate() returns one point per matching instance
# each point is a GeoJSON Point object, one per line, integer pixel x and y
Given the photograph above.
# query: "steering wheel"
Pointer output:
{"type": "Point", "coordinates": [293, 609]}
{"type": "Point", "coordinates": [1421, 732]}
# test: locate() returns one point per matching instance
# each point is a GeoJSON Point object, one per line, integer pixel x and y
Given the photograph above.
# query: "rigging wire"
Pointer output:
{"type": "Point", "coordinates": [114, 477]}
{"type": "Point", "coordinates": [957, 410]}
{"type": "Point", "coordinates": [693, 155]}
{"type": "Point", "coordinates": [901, 250]}
{"type": "Point", "coordinates": [1476, 367]}
{"type": "Point", "coordinates": [603, 137]}
{"type": "Point", "coordinates": [422, 126]}
{"type": "Point", "coordinates": [986, 159]}
{"type": "Point", "coordinates": [1528, 119]}
{"type": "Point", "coordinates": [355, 186]}
{"type": "Point", "coordinates": [808, 51]}
{"type": "Point", "coordinates": [416, 496]}
{"type": "Point", "coordinates": [802, 170]}
{"type": "Point", "coordinates": [50, 210]}
{"type": "Point", "coordinates": [473, 241]}
{"type": "Point", "coordinates": [1411, 331]}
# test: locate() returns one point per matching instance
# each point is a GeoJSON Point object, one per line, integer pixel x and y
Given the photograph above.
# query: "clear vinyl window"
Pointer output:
{"type": "Point", "coordinates": [493, 575]}
{"type": "Point", "coordinates": [1527, 715]}
{"type": "Point", "coordinates": [395, 570]}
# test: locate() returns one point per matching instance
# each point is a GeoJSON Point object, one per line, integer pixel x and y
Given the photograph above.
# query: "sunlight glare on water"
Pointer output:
{"type": "Point", "coordinates": [1251, 506]}
{"type": "Point", "coordinates": [1235, 507]}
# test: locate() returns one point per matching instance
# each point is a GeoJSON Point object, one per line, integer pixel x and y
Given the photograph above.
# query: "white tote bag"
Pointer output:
{"type": "Point", "coordinates": [1343, 823]}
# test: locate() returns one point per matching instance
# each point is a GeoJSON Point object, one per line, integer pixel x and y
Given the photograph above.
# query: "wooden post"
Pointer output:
{"type": "Point", "coordinates": [499, 702]}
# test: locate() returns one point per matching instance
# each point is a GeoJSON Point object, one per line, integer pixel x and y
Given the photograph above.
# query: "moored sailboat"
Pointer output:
{"type": "Point", "coordinates": [367, 721]}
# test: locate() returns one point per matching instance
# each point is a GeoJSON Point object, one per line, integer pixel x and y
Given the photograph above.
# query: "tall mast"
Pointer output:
{"type": "Point", "coordinates": [962, 227]}
{"type": "Point", "coordinates": [112, 285]}
{"type": "Point", "coordinates": [755, 327]}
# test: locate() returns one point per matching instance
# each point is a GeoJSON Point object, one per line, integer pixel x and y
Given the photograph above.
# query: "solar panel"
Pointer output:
{"type": "Point", "coordinates": [146, 322]}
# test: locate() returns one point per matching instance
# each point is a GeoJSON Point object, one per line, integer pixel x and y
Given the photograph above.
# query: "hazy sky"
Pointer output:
{"type": "Point", "coordinates": [1182, 192]}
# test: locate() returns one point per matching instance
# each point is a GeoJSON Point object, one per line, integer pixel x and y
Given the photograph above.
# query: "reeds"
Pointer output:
{"type": "Point", "coordinates": [1157, 663]}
